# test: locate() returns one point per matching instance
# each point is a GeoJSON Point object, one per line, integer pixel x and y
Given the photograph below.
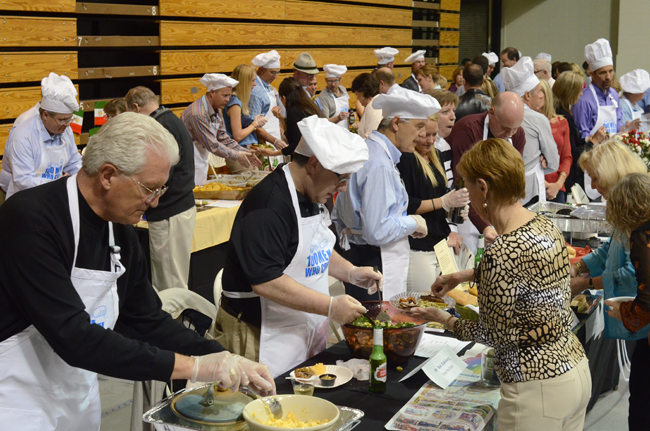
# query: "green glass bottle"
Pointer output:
{"type": "Point", "coordinates": [378, 366]}
{"type": "Point", "coordinates": [479, 251]}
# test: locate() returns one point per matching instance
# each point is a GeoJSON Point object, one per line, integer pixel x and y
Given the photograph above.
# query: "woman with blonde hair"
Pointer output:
{"type": "Point", "coordinates": [555, 190]}
{"type": "Point", "coordinates": [425, 182]}
{"type": "Point", "coordinates": [628, 211]}
{"type": "Point", "coordinates": [427, 77]}
{"type": "Point", "coordinates": [239, 125]}
{"type": "Point", "coordinates": [524, 296]}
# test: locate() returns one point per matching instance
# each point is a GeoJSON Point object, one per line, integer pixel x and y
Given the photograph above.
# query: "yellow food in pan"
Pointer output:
{"type": "Point", "coordinates": [216, 187]}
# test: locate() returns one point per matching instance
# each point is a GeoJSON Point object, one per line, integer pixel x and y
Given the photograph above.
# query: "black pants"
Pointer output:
{"type": "Point", "coordinates": [639, 387]}
{"type": "Point", "coordinates": [361, 255]}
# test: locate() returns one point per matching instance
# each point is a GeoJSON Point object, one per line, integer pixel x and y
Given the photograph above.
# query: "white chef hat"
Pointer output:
{"type": "Point", "coordinates": [406, 104]}
{"type": "Point", "coordinates": [415, 56]}
{"type": "Point", "coordinates": [386, 55]}
{"type": "Point", "coordinates": [635, 82]}
{"type": "Point", "coordinates": [599, 54]}
{"type": "Point", "coordinates": [492, 58]}
{"type": "Point", "coordinates": [520, 78]}
{"type": "Point", "coordinates": [59, 94]}
{"type": "Point", "coordinates": [336, 148]}
{"type": "Point", "coordinates": [268, 60]}
{"type": "Point", "coordinates": [545, 56]}
{"type": "Point", "coordinates": [334, 70]}
{"type": "Point", "coordinates": [215, 81]}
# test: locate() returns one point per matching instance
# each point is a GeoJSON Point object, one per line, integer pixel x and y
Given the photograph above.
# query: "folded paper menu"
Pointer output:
{"type": "Point", "coordinates": [445, 258]}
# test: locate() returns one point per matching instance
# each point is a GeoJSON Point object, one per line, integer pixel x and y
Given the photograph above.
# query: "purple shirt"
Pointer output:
{"type": "Point", "coordinates": [585, 112]}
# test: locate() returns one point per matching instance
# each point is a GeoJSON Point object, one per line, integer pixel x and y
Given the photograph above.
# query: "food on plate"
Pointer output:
{"type": "Point", "coordinates": [327, 379]}
{"type": "Point", "coordinates": [260, 146]}
{"type": "Point", "coordinates": [362, 322]}
{"type": "Point", "coordinates": [572, 251]}
{"type": "Point", "coordinates": [461, 297]}
{"type": "Point", "coordinates": [580, 303]}
{"type": "Point", "coordinates": [216, 187]}
{"type": "Point", "coordinates": [291, 421]}
{"type": "Point", "coordinates": [473, 290]}
{"type": "Point", "coordinates": [409, 302]}
{"type": "Point", "coordinates": [319, 369]}
{"type": "Point", "coordinates": [304, 373]}
{"type": "Point", "coordinates": [423, 301]}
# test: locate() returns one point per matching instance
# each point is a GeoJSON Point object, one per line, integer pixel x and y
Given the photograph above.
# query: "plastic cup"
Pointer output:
{"type": "Point", "coordinates": [303, 387]}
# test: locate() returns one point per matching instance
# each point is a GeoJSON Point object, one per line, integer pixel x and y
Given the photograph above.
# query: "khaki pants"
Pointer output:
{"type": "Point", "coordinates": [238, 337]}
{"type": "Point", "coordinates": [170, 246]}
{"type": "Point", "coordinates": [557, 404]}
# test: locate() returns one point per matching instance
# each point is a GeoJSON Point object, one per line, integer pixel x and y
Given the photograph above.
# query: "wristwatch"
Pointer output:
{"type": "Point", "coordinates": [591, 283]}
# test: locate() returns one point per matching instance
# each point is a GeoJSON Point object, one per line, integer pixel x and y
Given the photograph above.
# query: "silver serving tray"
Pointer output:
{"type": "Point", "coordinates": [163, 418]}
{"type": "Point", "coordinates": [566, 224]}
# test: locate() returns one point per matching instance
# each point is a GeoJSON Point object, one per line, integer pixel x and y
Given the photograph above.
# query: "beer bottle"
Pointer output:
{"type": "Point", "coordinates": [378, 365]}
{"type": "Point", "coordinates": [351, 119]}
{"type": "Point", "coordinates": [479, 251]}
{"type": "Point", "coordinates": [455, 212]}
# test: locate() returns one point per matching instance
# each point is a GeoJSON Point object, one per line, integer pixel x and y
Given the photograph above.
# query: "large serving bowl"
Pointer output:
{"type": "Point", "coordinates": [302, 406]}
{"type": "Point", "coordinates": [399, 343]}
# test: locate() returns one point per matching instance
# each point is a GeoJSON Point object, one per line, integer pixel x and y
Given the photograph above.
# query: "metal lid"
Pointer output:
{"type": "Point", "coordinates": [226, 407]}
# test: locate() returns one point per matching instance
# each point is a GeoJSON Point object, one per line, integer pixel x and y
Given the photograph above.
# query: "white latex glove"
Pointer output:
{"type": "Point", "coordinates": [421, 231]}
{"type": "Point", "coordinates": [344, 309]}
{"type": "Point", "coordinates": [464, 213]}
{"type": "Point", "coordinates": [279, 144]}
{"type": "Point", "coordinates": [365, 277]}
{"type": "Point", "coordinates": [248, 159]}
{"type": "Point", "coordinates": [260, 120]}
{"type": "Point", "coordinates": [455, 199]}
{"type": "Point", "coordinates": [344, 115]}
{"type": "Point", "coordinates": [217, 367]}
{"type": "Point", "coordinates": [256, 374]}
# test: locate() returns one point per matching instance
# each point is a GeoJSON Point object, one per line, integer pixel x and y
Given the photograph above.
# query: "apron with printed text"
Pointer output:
{"type": "Point", "coordinates": [342, 105]}
{"type": "Point", "coordinates": [39, 391]}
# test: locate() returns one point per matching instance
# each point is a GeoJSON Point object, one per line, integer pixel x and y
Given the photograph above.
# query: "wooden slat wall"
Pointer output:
{"type": "Point", "coordinates": [33, 66]}
{"type": "Point", "coordinates": [25, 31]}
{"type": "Point", "coordinates": [449, 37]}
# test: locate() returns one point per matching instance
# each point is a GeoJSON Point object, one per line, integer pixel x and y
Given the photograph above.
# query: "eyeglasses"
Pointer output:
{"type": "Point", "coordinates": [538, 71]}
{"type": "Point", "coordinates": [273, 72]}
{"type": "Point", "coordinates": [153, 194]}
{"type": "Point", "coordinates": [342, 181]}
{"type": "Point", "coordinates": [62, 122]}
{"type": "Point", "coordinates": [333, 81]}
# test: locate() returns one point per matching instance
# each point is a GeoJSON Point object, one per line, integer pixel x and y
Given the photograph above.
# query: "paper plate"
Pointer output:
{"type": "Point", "coordinates": [394, 301]}
{"type": "Point", "coordinates": [343, 375]}
{"type": "Point", "coordinates": [619, 298]}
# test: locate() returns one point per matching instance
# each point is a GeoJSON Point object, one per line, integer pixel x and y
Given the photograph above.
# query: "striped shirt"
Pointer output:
{"type": "Point", "coordinates": [445, 158]}
{"type": "Point", "coordinates": [208, 129]}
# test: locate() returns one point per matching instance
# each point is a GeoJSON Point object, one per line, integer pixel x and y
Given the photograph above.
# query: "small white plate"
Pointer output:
{"type": "Point", "coordinates": [343, 375]}
{"type": "Point", "coordinates": [394, 301]}
{"type": "Point", "coordinates": [621, 299]}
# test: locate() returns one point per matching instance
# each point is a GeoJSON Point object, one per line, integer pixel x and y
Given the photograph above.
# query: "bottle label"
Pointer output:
{"type": "Point", "coordinates": [380, 373]}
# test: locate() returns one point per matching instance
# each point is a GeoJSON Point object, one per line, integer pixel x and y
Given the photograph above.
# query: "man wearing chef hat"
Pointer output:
{"type": "Point", "coordinates": [275, 303]}
{"type": "Point", "coordinates": [385, 57]}
{"type": "Point", "coordinates": [265, 98]}
{"type": "Point", "coordinates": [42, 148]}
{"type": "Point", "coordinates": [634, 85]}
{"type": "Point", "coordinates": [521, 79]}
{"type": "Point", "coordinates": [370, 217]}
{"type": "Point", "coordinates": [417, 61]}
{"type": "Point", "coordinates": [204, 120]}
{"type": "Point", "coordinates": [492, 59]}
{"type": "Point", "coordinates": [334, 99]}
{"type": "Point", "coordinates": [75, 299]}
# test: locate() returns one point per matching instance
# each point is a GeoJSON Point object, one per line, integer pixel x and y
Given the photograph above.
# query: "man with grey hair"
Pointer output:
{"type": "Point", "coordinates": [171, 223]}
{"type": "Point", "coordinates": [75, 299]}
{"type": "Point", "coordinates": [543, 70]}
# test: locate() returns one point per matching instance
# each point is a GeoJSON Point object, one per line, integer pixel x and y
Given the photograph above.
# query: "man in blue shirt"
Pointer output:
{"type": "Point", "coordinates": [264, 98]}
{"type": "Point", "coordinates": [509, 57]}
{"type": "Point", "coordinates": [370, 216]}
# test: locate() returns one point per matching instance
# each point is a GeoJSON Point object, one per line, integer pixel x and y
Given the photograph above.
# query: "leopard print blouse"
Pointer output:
{"type": "Point", "coordinates": [524, 296]}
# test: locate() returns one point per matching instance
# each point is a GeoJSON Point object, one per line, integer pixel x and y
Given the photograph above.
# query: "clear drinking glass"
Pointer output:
{"type": "Point", "coordinates": [489, 376]}
{"type": "Point", "coordinates": [303, 386]}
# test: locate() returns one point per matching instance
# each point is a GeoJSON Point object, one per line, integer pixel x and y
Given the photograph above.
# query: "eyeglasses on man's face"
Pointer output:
{"type": "Point", "coordinates": [151, 194]}
{"type": "Point", "coordinates": [61, 121]}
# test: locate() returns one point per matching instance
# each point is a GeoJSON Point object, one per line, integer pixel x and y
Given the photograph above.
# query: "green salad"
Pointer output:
{"type": "Point", "coordinates": [362, 322]}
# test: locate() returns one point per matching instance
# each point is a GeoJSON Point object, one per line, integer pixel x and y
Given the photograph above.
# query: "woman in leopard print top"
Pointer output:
{"type": "Point", "coordinates": [524, 296]}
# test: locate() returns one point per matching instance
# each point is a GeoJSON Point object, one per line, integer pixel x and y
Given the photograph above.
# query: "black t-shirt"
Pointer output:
{"type": "Point", "coordinates": [293, 134]}
{"type": "Point", "coordinates": [179, 197]}
{"type": "Point", "coordinates": [263, 242]}
{"type": "Point", "coordinates": [36, 259]}
{"type": "Point", "coordinates": [419, 188]}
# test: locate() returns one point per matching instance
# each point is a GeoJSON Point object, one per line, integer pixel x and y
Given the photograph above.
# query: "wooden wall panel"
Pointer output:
{"type": "Point", "coordinates": [449, 38]}
{"type": "Point", "coordinates": [403, 3]}
{"type": "Point", "coordinates": [4, 134]}
{"type": "Point", "coordinates": [185, 90]}
{"type": "Point", "coordinates": [39, 5]}
{"type": "Point", "coordinates": [177, 33]}
{"type": "Point", "coordinates": [33, 66]}
{"type": "Point", "coordinates": [38, 32]}
{"type": "Point", "coordinates": [447, 71]}
{"type": "Point", "coordinates": [448, 55]}
{"type": "Point", "coordinates": [450, 5]}
{"type": "Point", "coordinates": [449, 20]}
{"type": "Point", "coordinates": [15, 101]}
{"type": "Point", "coordinates": [244, 9]}
{"type": "Point", "coordinates": [304, 11]}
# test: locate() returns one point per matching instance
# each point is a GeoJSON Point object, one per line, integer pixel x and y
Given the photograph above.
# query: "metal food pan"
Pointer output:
{"type": "Point", "coordinates": [568, 224]}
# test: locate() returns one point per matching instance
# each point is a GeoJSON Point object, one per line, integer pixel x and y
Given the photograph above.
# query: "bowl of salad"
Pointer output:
{"type": "Point", "coordinates": [402, 334]}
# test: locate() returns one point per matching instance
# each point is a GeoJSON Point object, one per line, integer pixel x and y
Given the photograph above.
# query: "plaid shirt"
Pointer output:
{"type": "Point", "coordinates": [202, 121]}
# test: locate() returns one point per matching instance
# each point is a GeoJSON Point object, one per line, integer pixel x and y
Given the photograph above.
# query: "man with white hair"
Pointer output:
{"type": "Point", "coordinates": [204, 120]}
{"type": "Point", "coordinates": [543, 70]}
{"type": "Point", "coordinates": [385, 57]}
{"type": "Point", "coordinates": [370, 217]}
{"type": "Point", "coordinates": [417, 61]}
{"type": "Point", "coordinates": [42, 148]}
{"type": "Point", "coordinates": [264, 97]}
{"type": "Point", "coordinates": [75, 299]}
{"type": "Point", "coordinates": [275, 303]}
{"type": "Point", "coordinates": [334, 99]}
{"type": "Point", "coordinates": [521, 79]}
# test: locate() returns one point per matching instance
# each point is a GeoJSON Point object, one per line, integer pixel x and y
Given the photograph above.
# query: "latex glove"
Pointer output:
{"type": "Point", "coordinates": [279, 144]}
{"type": "Point", "coordinates": [366, 277]}
{"type": "Point", "coordinates": [260, 121]}
{"type": "Point", "coordinates": [256, 374]}
{"type": "Point", "coordinates": [344, 309]}
{"type": "Point", "coordinates": [464, 213]}
{"type": "Point", "coordinates": [632, 125]}
{"type": "Point", "coordinates": [421, 231]}
{"type": "Point", "coordinates": [217, 367]}
{"type": "Point", "coordinates": [248, 159]}
{"type": "Point", "coordinates": [455, 199]}
{"type": "Point", "coordinates": [600, 135]}
{"type": "Point", "coordinates": [344, 115]}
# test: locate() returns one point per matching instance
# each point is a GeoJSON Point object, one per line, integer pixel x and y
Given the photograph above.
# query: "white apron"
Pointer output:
{"type": "Point", "coordinates": [53, 159]}
{"type": "Point", "coordinates": [202, 155]}
{"type": "Point", "coordinates": [538, 174]}
{"type": "Point", "coordinates": [272, 126]}
{"type": "Point", "coordinates": [636, 113]}
{"type": "Point", "coordinates": [38, 390]}
{"type": "Point", "coordinates": [342, 105]}
{"type": "Point", "coordinates": [289, 337]}
{"type": "Point", "coordinates": [467, 229]}
{"type": "Point", "coordinates": [606, 117]}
